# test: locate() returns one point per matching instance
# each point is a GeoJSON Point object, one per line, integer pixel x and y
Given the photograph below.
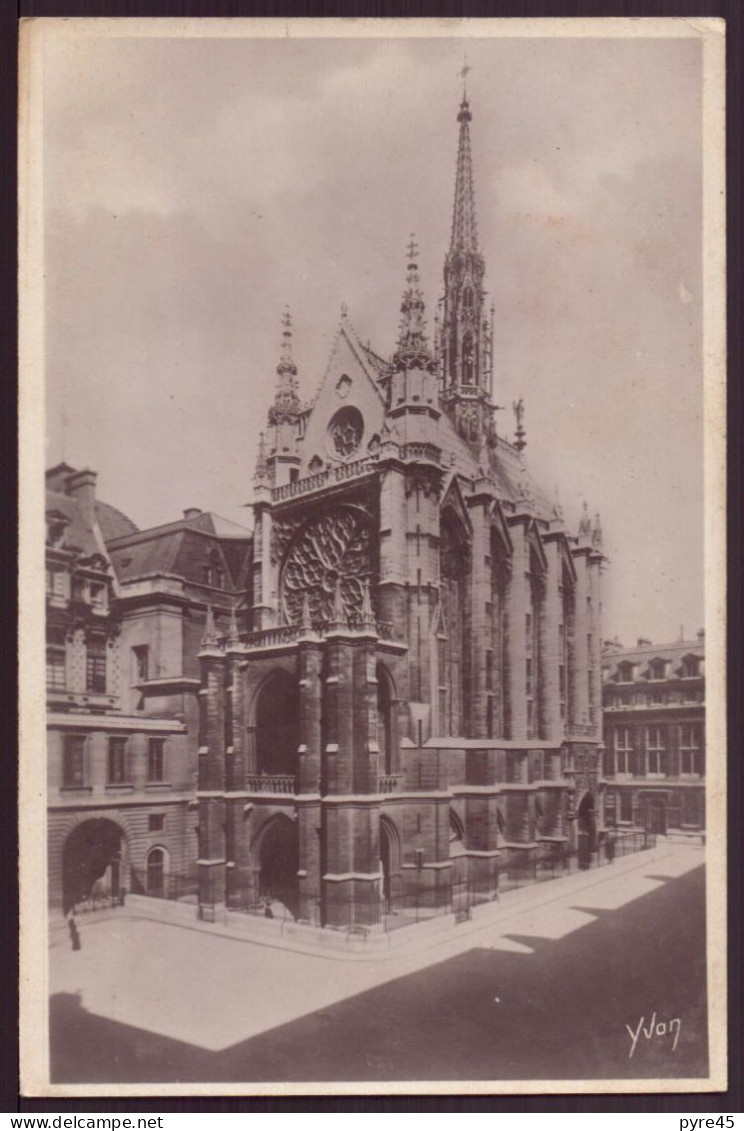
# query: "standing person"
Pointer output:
{"type": "Point", "coordinates": [610, 848]}
{"type": "Point", "coordinates": [74, 933]}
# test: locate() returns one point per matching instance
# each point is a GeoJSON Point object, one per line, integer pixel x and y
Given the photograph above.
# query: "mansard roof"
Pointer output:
{"type": "Point", "coordinates": [80, 534]}
{"type": "Point", "coordinates": [644, 654]}
{"type": "Point", "coordinates": [176, 548]}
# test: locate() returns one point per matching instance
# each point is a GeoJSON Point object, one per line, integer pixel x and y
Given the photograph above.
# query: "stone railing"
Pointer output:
{"type": "Point", "coordinates": [271, 783]}
{"type": "Point", "coordinates": [271, 637]}
{"type": "Point", "coordinates": [289, 633]}
{"type": "Point", "coordinates": [389, 783]}
{"type": "Point", "coordinates": [421, 450]}
{"type": "Point", "coordinates": [329, 475]}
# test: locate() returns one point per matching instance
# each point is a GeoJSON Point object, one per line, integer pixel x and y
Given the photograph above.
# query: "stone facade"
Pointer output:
{"type": "Point", "coordinates": [654, 718]}
{"type": "Point", "coordinates": [411, 696]}
{"type": "Point", "coordinates": [125, 613]}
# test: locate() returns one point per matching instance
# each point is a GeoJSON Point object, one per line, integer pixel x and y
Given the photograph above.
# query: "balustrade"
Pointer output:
{"type": "Point", "coordinates": [389, 783]}
{"type": "Point", "coordinates": [272, 783]}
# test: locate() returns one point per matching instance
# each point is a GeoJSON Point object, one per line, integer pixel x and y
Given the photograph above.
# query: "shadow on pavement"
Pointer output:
{"type": "Point", "coordinates": [561, 1012]}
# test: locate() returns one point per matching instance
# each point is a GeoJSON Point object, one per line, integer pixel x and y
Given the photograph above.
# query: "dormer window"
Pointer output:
{"type": "Point", "coordinates": [690, 667]}
{"type": "Point", "coordinates": [625, 673]}
{"type": "Point", "coordinates": [656, 669]}
{"type": "Point", "coordinates": [98, 596]}
{"type": "Point", "coordinates": [55, 533]}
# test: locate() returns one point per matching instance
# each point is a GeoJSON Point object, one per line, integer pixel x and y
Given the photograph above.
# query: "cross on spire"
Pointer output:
{"type": "Point", "coordinates": [464, 72]}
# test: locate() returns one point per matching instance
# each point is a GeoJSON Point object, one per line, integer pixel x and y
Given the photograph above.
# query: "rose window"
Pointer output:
{"type": "Point", "coordinates": [345, 431]}
{"type": "Point", "coordinates": [331, 552]}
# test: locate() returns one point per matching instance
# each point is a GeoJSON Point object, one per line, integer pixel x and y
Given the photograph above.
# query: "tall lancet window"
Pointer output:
{"type": "Point", "coordinates": [453, 571]}
{"type": "Point", "coordinates": [496, 664]}
{"type": "Point", "coordinates": [533, 650]}
{"type": "Point", "coordinates": [566, 660]}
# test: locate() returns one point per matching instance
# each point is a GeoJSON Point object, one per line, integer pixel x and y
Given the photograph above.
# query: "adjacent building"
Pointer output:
{"type": "Point", "coordinates": [654, 721]}
{"type": "Point", "coordinates": [409, 697]}
{"type": "Point", "coordinates": [125, 610]}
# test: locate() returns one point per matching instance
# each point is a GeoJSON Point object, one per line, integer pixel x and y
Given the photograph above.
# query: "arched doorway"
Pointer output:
{"type": "Point", "coordinates": [277, 725]}
{"type": "Point", "coordinates": [587, 822]}
{"type": "Point", "coordinates": [157, 872]}
{"type": "Point", "coordinates": [92, 856]}
{"type": "Point", "coordinates": [278, 858]}
{"type": "Point", "coordinates": [389, 860]}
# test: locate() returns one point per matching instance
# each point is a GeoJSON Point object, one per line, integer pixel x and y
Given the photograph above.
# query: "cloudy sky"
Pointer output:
{"type": "Point", "coordinates": [195, 187]}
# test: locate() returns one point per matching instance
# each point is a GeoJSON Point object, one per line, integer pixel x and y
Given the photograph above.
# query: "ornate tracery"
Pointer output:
{"type": "Point", "coordinates": [329, 557]}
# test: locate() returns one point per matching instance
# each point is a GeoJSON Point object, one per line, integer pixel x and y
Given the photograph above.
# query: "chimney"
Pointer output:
{"type": "Point", "coordinates": [701, 635]}
{"type": "Point", "coordinates": [191, 512]}
{"type": "Point", "coordinates": [81, 486]}
{"type": "Point", "coordinates": [642, 641]}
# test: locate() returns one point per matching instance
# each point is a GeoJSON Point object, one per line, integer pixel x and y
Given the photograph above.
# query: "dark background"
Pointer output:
{"type": "Point", "coordinates": [10, 13]}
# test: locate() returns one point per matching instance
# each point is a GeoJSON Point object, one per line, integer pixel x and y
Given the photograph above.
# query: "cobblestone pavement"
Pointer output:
{"type": "Point", "coordinates": [542, 986]}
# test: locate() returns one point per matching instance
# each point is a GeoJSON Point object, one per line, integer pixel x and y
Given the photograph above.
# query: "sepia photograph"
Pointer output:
{"type": "Point", "coordinates": [375, 371]}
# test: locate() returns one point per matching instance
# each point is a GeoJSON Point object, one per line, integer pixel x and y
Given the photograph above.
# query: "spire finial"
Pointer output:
{"type": "Point", "coordinates": [597, 531]}
{"type": "Point", "coordinates": [413, 347]}
{"type": "Point", "coordinates": [209, 639]}
{"type": "Point", "coordinates": [585, 526]}
{"type": "Point", "coordinates": [233, 636]}
{"type": "Point", "coordinates": [520, 443]}
{"type": "Point", "coordinates": [367, 613]}
{"type": "Point", "coordinates": [464, 72]}
{"type": "Point", "coordinates": [262, 466]}
{"type": "Point", "coordinates": [557, 507]}
{"type": "Point", "coordinates": [286, 401]}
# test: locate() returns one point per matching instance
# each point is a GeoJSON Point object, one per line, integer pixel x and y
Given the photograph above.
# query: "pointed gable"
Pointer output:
{"type": "Point", "coordinates": [348, 412]}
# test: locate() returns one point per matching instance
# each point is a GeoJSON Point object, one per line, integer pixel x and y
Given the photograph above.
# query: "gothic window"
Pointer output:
{"type": "Point", "coordinates": [499, 720]}
{"type": "Point", "coordinates": [385, 728]}
{"type": "Point", "coordinates": [345, 431]}
{"type": "Point", "coordinates": [468, 360]}
{"type": "Point", "coordinates": [277, 725]}
{"type": "Point", "coordinates": [331, 553]}
{"type": "Point", "coordinates": [534, 659]}
{"type": "Point", "coordinates": [453, 569]}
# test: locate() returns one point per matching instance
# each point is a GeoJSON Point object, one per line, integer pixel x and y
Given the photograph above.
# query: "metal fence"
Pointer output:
{"type": "Point", "coordinates": [402, 909]}
{"type": "Point", "coordinates": [171, 885]}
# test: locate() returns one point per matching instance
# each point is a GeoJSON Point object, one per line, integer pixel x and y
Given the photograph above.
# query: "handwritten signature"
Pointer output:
{"type": "Point", "coordinates": [655, 1029]}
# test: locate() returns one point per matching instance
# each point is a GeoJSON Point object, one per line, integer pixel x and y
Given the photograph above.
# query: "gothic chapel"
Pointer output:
{"type": "Point", "coordinates": [409, 698]}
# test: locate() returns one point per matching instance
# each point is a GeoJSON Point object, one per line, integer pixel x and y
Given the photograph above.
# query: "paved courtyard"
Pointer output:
{"type": "Point", "coordinates": [541, 985]}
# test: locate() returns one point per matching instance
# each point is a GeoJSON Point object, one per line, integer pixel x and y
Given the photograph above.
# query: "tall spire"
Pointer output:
{"type": "Point", "coordinates": [465, 352]}
{"type": "Point", "coordinates": [464, 225]}
{"type": "Point", "coordinates": [286, 401]}
{"type": "Point", "coordinates": [413, 348]}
